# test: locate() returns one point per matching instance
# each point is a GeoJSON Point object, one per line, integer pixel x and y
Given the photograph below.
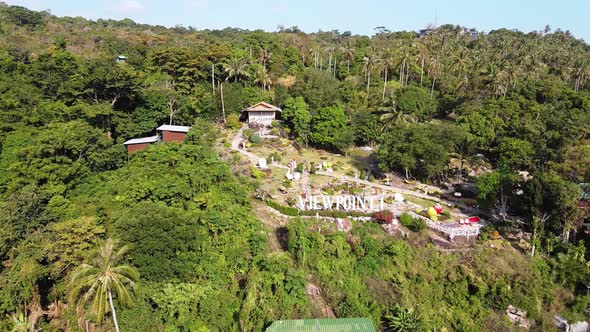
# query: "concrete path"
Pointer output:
{"type": "Point", "coordinates": [235, 145]}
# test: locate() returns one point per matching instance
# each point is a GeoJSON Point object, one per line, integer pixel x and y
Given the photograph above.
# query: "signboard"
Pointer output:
{"type": "Point", "coordinates": [341, 202]}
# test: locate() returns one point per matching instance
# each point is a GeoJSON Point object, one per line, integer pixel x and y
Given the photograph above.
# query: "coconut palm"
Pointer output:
{"type": "Point", "coordinates": [434, 70]}
{"type": "Point", "coordinates": [400, 319]}
{"type": "Point", "coordinates": [263, 77]}
{"type": "Point", "coordinates": [347, 55]}
{"type": "Point", "coordinates": [264, 56]}
{"type": "Point", "coordinates": [386, 60]}
{"type": "Point", "coordinates": [421, 58]}
{"type": "Point", "coordinates": [568, 271]}
{"type": "Point", "coordinates": [390, 115]}
{"type": "Point", "coordinates": [369, 61]}
{"type": "Point", "coordinates": [96, 282]}
{"type": "Point", "coordinates": [236, 67]}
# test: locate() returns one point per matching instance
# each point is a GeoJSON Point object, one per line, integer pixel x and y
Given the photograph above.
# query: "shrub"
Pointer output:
{"type": "Point", "coordinates": [256, 173]}
{"type": "Point", "coordinates": [275, 124]}
{"type": "Point", "coordinates": [233, 121]}
{"type": "Point", "coordinates": [312, 169]}
{"type": "Point", "coordinates": [286, 210]}
{"type": "Point", "coordinates": [274, 131]}
{"type": "Point", "coordinates": [247, 133]}
{"type": "Point", "coordinates": [255, 139]}
{"type": "Point", "coordinates": [413, 224]}
{"type": "Point", "coordinates": [299, 168]}
{"type": "Point", "coordinates": [274, 156]}
{"type": "Point", "coordinates": [383, 217]}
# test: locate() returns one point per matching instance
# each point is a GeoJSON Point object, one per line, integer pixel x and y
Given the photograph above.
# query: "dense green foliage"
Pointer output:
{"type": "Point", "coordinates": [518, 101]}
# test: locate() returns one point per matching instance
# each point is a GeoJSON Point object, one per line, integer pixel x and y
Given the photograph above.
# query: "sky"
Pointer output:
{"type": "Point", "coordinates": [359, 17]}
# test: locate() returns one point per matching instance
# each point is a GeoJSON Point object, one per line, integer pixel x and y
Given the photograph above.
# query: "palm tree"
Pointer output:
{"type": "Point", "coordinates": [95, 282]}
{"type": "Point", "coordinates": [421, 58]}
{"type": "Point", "coordinates": [390, 115]}
{"type": "Point", "coordinates": [236, 67]}
{"type": "Point", "coordinates": [264, 56]}
{"type": "Point", "coordinates": [568, 271]}
{"type": "Point", "coordinates": [263, 77]}
{"type": "Point", "coordinates": [395, 117]}
{"type": "Point", "coordinates": [386, 61]}
{"type": "Point", "coordinates": [368, 62]}
{"type": "Point", "coordinates": [435, 69]}
{"type": "Point", "coordinates": [401, 319]}
{"type": "Point", "coordinates": [348, 55]}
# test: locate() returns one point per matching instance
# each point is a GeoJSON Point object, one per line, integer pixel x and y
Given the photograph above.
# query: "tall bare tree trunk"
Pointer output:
{"type": "Point", "coordinates": [384, 84]}
{"type": "Point", "coordinates": [113, 312]}
{"type": "Point", "coordinates": [213, 78]}
{"type": "Point", "coordinates": [368, 82]}
{"type": "Point", "coordinates": [222, 103]}
{"type": "Point", "coordinates": [335, 62]}
{"type": "Point", "coordinates": [422, 71]}
{"type": "Point", "coordinates": [348, 66]}
{"type": "Point", "coordinates": [401, 73]}
{"type": "Point", "coordinates": [432, 88]}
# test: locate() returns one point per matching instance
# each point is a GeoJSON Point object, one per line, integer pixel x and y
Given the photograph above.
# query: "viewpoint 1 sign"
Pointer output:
{"type": "Point", "coordinates": [341, 202]}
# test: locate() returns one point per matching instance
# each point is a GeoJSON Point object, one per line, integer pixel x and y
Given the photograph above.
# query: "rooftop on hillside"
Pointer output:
{"type": "Point", "coordinates": [179, 129]}
{"type": "Point", "coordinates": [323, 325]}
{"type": "Point", "coordinates": [141, 140]}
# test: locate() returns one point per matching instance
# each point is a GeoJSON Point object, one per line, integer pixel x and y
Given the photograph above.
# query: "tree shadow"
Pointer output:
{"type": "Point", "coordinates": [282, 235]}
{"type": "Point", "coordinates": [366, 162]}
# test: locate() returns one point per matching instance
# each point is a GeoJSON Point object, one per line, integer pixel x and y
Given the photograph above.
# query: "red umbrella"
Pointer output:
{"type": "Point", "coordinates": [473, 219]}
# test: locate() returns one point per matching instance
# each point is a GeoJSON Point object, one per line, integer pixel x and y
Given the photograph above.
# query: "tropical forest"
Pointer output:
{"type": "Point", "coordinates": [475, 146]}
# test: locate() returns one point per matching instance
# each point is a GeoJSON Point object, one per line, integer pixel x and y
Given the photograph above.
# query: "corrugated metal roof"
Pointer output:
{"type": "Point", "coordinates": [151, 139]}
{"type": "Point", "coordinates": [323, 325]}
{"type": "Point", "coordinates": [180, 129]}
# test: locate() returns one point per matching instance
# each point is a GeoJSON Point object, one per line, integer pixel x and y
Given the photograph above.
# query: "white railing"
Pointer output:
{"type": "Point", "coordinates": [466, 230]}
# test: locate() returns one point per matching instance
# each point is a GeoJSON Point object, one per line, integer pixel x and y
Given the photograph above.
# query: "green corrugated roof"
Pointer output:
{"type": "Point", "coordinates": [323, 325]}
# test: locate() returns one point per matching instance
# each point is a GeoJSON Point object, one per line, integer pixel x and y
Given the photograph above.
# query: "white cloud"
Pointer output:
{"type": "Point", "coordinates": [130, 6]}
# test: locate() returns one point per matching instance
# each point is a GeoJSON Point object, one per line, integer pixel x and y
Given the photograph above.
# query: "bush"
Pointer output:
{"type": "Point", "coordinates": [255, 139]}
{"type": "Point", "coordinates": [256, 173]}
{"type": "Point", "coordinates": [275, 124]}
{"type": "Point", "coordinates": [413, 224]}
{"type": "Point", "coordinates": [247, 133]}
{"type": "Point", "coordinates": [312, 169]}
{"type": "Point", "coordinates": [383, 217]}
{"type": "Point", "coordinates": [233, 121]}
{"type": "Point", "coordinates": [286, 210]}
{"type": "Point", "coordinates": [299, 168]}
{"type": "Point", "coordinates": [274, 131]}
{"type": "Point", "coordinates": [274, 156]}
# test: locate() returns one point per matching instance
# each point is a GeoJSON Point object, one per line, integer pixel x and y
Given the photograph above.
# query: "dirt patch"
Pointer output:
{"type": "Point", "coordinates": [319, 306]}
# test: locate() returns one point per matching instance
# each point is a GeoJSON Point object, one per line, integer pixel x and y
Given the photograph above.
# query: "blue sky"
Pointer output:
{"type": "Point", "coordinates": [359, 16]}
